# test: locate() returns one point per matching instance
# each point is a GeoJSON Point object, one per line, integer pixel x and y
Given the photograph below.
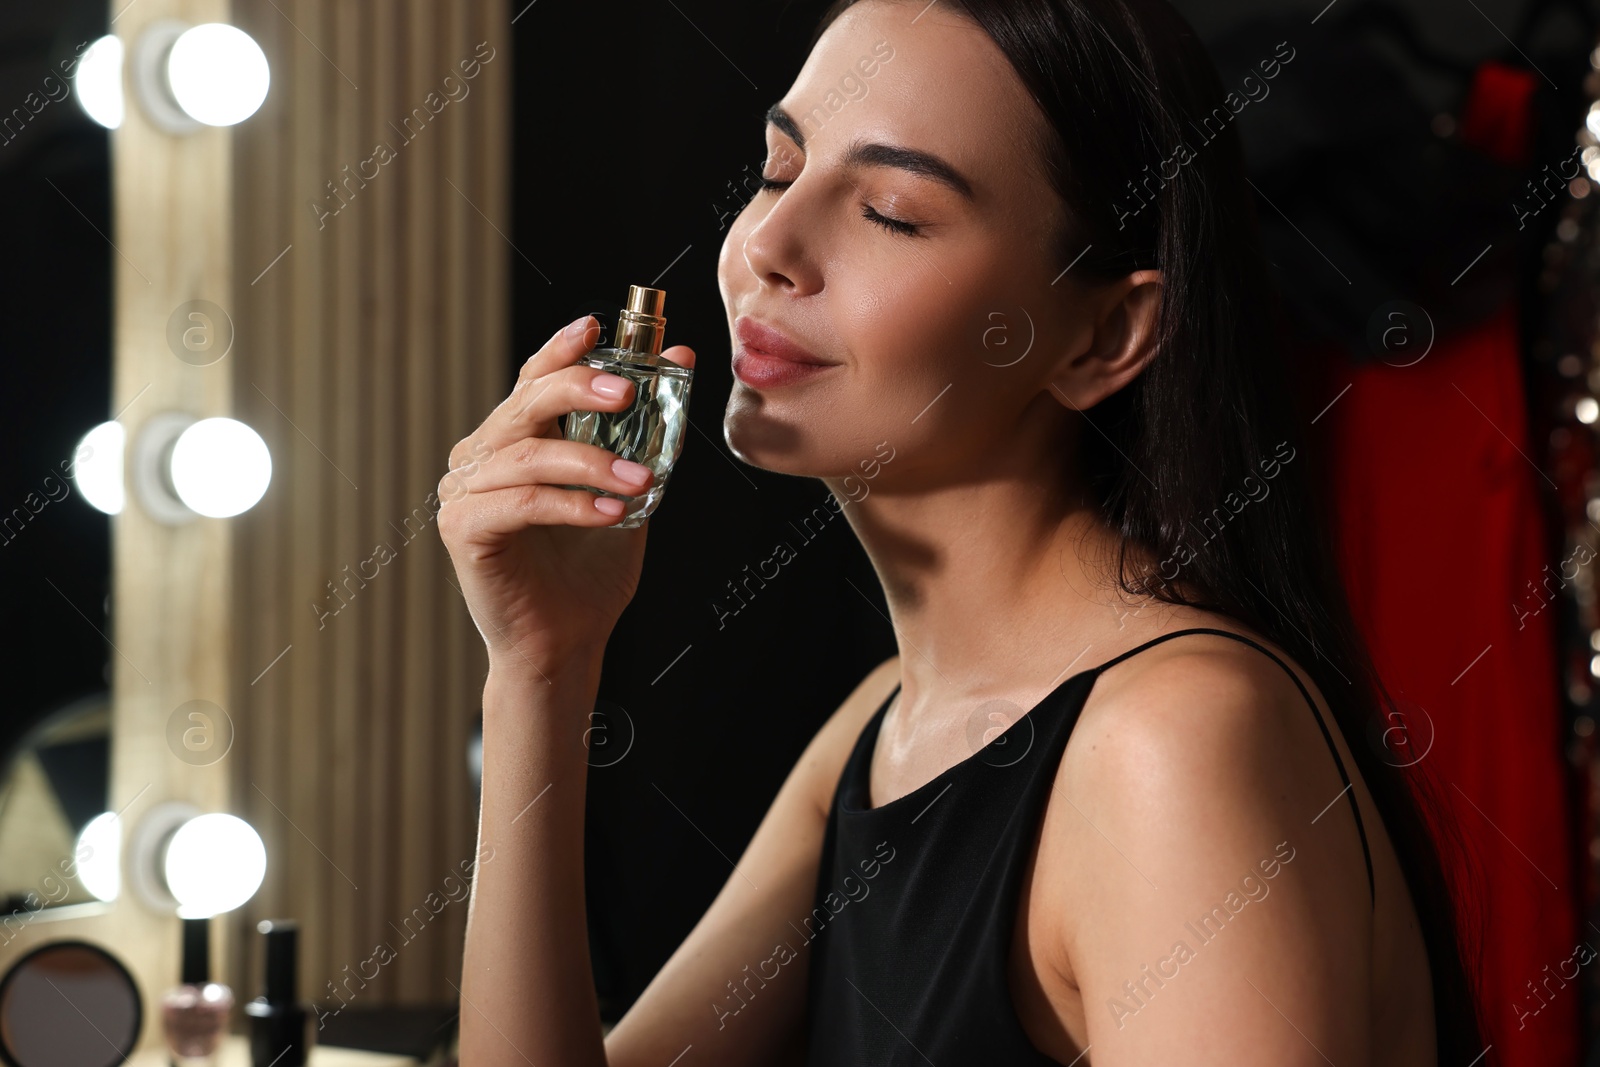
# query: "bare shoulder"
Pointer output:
{"type": "Point", "coordinates": [1199, 729]}
{"type": "Point", "coordinates": [1194, 785]}
{"type": "Point", "coordinates": [1191, 697]}
{"type": "Point", "coordinates": [823, 759]}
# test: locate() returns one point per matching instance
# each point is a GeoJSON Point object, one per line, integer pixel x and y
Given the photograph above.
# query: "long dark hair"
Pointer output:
{"type": "Point", "coordinates": [1152, 175]}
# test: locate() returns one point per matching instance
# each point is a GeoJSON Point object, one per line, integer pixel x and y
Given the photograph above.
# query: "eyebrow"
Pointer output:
{"type": "Point", "coordinates": [863, 154]}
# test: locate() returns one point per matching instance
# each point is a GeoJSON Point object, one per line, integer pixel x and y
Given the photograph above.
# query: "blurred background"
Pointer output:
{"type": "Point", "coordinates": [340, 231]}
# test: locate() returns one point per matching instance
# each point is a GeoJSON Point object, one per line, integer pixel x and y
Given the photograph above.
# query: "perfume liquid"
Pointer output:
{"type": "Point", "coordinates": [649, 430]}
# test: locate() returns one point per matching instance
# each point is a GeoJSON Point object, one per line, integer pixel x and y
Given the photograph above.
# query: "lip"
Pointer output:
{"type": "Point", "coordinates": [761, 371]}
{"type": "Point", "coordinates": [763, 340]}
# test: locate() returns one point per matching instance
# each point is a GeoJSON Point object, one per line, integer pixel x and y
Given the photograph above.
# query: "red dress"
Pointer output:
{"type": "Point", "coordinates": [1439, 517]}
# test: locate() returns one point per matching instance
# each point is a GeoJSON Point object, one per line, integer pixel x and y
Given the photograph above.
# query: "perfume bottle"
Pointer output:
{"type": "Point", "coordinates": [194, 1014]}
{"type": "Point", "coordinates": [650, 429]}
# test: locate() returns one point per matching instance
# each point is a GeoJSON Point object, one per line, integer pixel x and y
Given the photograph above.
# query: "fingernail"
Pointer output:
{"type": "Point", "coordinates": [609, 385]}
{"type": "Point", "coordinates": [578, 328]}
{"type": "Point", "coordinates": [630, 471]}
{"type": "Point", "coordinates": [608, 505]}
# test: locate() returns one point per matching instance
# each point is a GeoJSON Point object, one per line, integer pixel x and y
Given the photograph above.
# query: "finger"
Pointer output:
{"type": "Point", "coordinates": [578, 388]}
{"type": "Point", "coordinates": [479, 517]}
{"type": "Point", "coordinates": [565, 347]}
{"type": "Point", "coordinates": [682, 355]}
{"type": "Point", "coordinates": [551, 461]}
{"type": "Point", "coordinates": [532, 411]}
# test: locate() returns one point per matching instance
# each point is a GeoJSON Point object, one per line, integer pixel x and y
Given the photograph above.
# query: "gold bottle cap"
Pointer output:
{"type": "Point", "coordinates": [641, 326]}
{"type": "Point", "coordinates": [643, 301]}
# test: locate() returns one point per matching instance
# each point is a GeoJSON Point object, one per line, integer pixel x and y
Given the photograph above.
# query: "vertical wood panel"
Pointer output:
{"type": "Point", "coordinates": [420, 342]}
{"type": "Point", "coordinates": [387, 345]}
{"type": "Point", "coordinates": [257, 755]}
{"type": "Point", "coordinates": [311, 547]}
{"type": "Point", "coordinates": [383, 338]}
{"type": "Point", "coordinates": [348, 428]}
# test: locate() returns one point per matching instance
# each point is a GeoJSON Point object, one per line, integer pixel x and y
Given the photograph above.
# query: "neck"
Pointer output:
{"type": "Point", "coordinates": [996, 585]}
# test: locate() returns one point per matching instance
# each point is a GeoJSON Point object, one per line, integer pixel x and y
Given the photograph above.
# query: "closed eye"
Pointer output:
{"type": "Point", "coordinates": [890, 224]}
{"type": "Point", "coordinates": [893, 225]}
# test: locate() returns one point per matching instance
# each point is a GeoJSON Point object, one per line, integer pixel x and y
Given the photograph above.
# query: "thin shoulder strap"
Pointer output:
{"type": "Point", "coordinates": [1355, 808]}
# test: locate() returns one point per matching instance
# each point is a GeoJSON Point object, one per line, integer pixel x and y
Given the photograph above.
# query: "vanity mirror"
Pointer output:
{"type": "Point", "coordinates": [53, 781]}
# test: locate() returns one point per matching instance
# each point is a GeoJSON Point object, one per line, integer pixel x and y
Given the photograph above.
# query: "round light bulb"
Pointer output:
{"type": "Point", "coordinates": [214, 864]}
{"type": "Point", "coordinates": [100, 856]}
{"type": "Point", "coordinates": [99, 82]}
{"type": "Point", "coordinates": [218, 74]}
{"type": "Point", "coordinates": [97, 467]}
{"type": "Point", "coordinates": [220, 467]}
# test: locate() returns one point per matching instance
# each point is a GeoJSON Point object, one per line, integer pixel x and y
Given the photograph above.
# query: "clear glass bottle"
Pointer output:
{"type": "Point", "coordinates": [649, 430]}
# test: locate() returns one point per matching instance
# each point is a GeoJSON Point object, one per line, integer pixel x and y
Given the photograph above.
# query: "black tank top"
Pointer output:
{"type": "Point", "coordinates": [916, 900]}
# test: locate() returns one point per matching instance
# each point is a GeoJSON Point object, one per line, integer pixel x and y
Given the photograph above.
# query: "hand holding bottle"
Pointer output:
{"type": "Point", "coordinates": [544, 573]}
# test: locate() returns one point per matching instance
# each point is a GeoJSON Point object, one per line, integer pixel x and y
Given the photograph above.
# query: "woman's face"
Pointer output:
{"type": "Point", "coordinates": [909, 245]}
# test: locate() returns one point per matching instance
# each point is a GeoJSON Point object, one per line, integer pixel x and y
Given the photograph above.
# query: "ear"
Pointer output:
{"type": "Point", "coordinates": [1123, 341]}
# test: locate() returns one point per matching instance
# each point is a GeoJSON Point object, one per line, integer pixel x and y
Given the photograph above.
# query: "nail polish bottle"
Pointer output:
{"type": "Point", "coordinates": [194, 1014]}
{"type": "Point", "coordinates": [277, 1018]}
{"type": "Point", "coordinates": [649, 430]}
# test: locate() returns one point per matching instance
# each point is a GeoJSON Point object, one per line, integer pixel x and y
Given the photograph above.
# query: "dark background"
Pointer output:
{"type": "Point", "coordinates": [715, 715]}
{"type": "Point", "coordinates": [720, 730]}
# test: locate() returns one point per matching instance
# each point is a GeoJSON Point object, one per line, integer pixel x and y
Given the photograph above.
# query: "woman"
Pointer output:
{"type": "Point", "coordinates": [1031, 293]}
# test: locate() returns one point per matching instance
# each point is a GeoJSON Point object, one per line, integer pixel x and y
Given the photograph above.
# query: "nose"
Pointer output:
{"type": "Point", "coordinates": [775, 251]}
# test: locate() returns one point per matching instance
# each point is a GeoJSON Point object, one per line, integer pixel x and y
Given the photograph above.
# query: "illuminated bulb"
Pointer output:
{"type": "Point", "coordinates": [97, 467]}
{"type": "Point", "coordinates": [99, 82]}
{"type": "Point", "coordinates": [1587, 410]}
{"type": "Point", "coordinates": [1594, 666]}
{"type": "Point", "coordinates": [220, 467]}
{"type": "Point", "coordinates": [218, 74]}
{"type": "Point", "coordinates": [100, 856]}
{"type": "Point", "coordinates": [214, 864]}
